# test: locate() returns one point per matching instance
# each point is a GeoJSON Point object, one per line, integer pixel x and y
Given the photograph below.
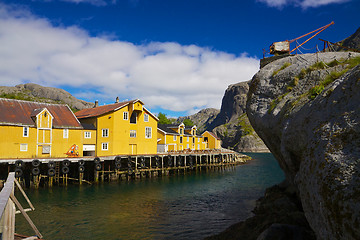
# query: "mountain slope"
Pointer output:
{"type": "Point", "coordinates": [34, 92]}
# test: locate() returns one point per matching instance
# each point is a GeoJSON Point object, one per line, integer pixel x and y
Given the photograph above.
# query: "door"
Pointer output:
{"type": "Point", "coordinates": [133, 149]}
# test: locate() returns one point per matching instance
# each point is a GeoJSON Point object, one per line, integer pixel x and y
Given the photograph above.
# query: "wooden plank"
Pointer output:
{"type": "Point", "coordinates": [26, 216]}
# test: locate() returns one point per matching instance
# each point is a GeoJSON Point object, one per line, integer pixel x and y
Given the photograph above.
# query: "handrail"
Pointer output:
{"type": "Point", "coordinates": [5, 192]}
{"type": "Point", "coordinates": [8, 202]}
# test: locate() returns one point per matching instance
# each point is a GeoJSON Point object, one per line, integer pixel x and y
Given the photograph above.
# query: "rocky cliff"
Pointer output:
{"type": "Point", "coordinates": [306, 108]}
{"type": "Point", "coordinates": [232, 126]}
{"type": "Point", "coordinates": [203, 119]}
{"type": "Point", "coordinates": [34, 92]}
{"type": "Point", "coordinates": [351, 42]}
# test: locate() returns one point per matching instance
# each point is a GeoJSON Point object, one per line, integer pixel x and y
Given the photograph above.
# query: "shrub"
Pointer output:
{"type": "Point", "coordinates": [316, 90]}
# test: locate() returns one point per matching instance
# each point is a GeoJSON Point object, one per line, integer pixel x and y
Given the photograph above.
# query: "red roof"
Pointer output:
{"type": "Point", "coordinates": [19, 113]}
{"type": "Point", "coordinates": [97, 111]}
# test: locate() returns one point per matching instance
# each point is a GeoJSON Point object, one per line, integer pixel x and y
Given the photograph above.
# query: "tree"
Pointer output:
{"type": "Point", "coordinates": [163, 119]}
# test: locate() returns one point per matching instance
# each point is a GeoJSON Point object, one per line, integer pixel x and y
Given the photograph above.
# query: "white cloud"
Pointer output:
{"type": "Point", "coordinates": [167, 75]}
{"type": "Point", "coordinates": [301, 3]}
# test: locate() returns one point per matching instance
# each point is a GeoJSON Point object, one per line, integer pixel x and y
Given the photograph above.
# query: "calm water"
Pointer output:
{"type": "Point", "coordinates": [178, 207]}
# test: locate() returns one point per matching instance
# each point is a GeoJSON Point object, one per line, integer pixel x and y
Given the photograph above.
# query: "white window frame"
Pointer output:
{"type": "Point", "coordinates": [105, 132]}
{"type": "Point", "coordinates": [87, 134]}
{"type": "Point", "coordinates": [174, 138]}
{"type": "Point", "coordinates": [23, 147]}
{"type": "Point", "coordinates": [125, 115]}
{"type": "Point", "coordinates": [187, 139]}
{"type": "Point", "coordinates": [46, 149]}
{"type": "Point", "coordinates": [133, 133]}
{"type": "Point", "coordinates": [198, 139]}
{"type": "Point", "coordinates": [25, 131]}
{"type": "Point", "coordinates": [146, 117]}
{"type": "Point", "coordinates": [65, 133]}
{"type": "Point", "coordinates": [187, 146]}
{"type": "Point", "coordinates": [148, 132]}
{"type": "Point", "coordinates": [105, 146]}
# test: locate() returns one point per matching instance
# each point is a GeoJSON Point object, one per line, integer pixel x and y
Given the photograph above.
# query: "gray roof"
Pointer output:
{"type": "Point", "coordinates": [167, 128]}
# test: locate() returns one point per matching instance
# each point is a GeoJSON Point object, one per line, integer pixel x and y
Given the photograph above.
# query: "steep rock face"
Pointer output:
{"type": "Point", "coordinates": [232, 125]}
{"type": "Point", "coordinates": [202, 119]}
{"type": "Point", "coordinates": [351, 42]}
{"type": "Point", "coordinates": [308, 114]}
{"type": "Point", "coordinates": [34, 92]}
{"type": "Point", "coordinates": [233, 103]}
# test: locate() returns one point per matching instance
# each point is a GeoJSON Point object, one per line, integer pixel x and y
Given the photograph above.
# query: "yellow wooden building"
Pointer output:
{"type": "Point", "coordinates": [38, 130]}
{"type": "Point", "coordinates": [121, 128]}
{"type": "Point", "coordinates": [178, 137]}
{"type": "Point", "coordinates": [212, 141]}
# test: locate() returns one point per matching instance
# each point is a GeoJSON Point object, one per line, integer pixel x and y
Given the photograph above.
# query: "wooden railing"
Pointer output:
{"type": "Point", "coordinates": [8, 204]}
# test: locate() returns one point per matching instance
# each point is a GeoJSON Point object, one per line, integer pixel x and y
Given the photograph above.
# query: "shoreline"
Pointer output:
{"type": "Point", "coordinates": [277, 215]}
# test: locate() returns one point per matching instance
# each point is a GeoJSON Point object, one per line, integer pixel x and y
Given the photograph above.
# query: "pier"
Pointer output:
{"type": "Point", "coordinates": [90, 170]}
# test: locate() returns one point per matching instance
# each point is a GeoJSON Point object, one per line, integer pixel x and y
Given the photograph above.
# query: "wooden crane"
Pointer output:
{"type": "Point", "coordinates": [278, 48]}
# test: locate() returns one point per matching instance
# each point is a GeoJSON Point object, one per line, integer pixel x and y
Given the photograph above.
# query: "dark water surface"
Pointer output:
{"type": "Point", "coordinates": [190, 206]}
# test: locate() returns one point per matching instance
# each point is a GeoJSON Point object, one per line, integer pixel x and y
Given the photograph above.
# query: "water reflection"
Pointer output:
{"type": "Point", "coordinates": [179, 207]}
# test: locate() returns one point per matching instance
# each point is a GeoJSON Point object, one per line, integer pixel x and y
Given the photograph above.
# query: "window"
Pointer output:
{"type": "Point", "coordinates": [148, 131]}
{"type": "Point", "coordinates": [198, 139]}
{"type": "Point", "coordinates": [174, 138]}
{"type": "Point", "coordinates": [105, 132]}
{"type": "Point", "coordinates": [146, 117]}
{"type": "Point", "coordinates": [25, 131]}
{"type": "Point", "coordinates": [187, 139]}
{"type": "Point", "coordinates": [133, 133]}
{"type": "Point", "coordinates": [46, 149]}
{"type": "Point", "coordinates": [87, 134]}
{"type": "Point", "coordinates": [181, 131]}
{"type": "Point", "coordinates": [66, 133]}
{"type": "Point", "coordinates": [126, 115]}
{"type": "Point", "coordinates": [181, 139]}
{"type": "Point", "coordinates": [187, 145]}
{"type": "Point", "coordinates": [133, 117]}
{"type": "Point", "coordinates": [198, 146]}
{"type": "Point", "coordinates": [193, 140]}
{"type": "Point", "coordinates": [23, 147]}
{"type": "Point", "coordinates": [105, 146]}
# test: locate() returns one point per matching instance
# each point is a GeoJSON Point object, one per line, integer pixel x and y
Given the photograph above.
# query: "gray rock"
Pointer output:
{"type": "Point", "coordinates": [314, 137]}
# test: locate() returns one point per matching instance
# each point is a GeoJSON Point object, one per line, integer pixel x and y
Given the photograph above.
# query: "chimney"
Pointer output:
{"type": "Point", "coordinates": [117, 100]}
{"type": "Point", "coordinates": [96, 103]}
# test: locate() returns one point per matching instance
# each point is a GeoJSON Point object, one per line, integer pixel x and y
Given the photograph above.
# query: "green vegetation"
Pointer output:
{"type": "Point", "coordinates": [316, 90]}
{"type": "Point", "coordinates": [244, 123]}
{"type": "Point", "coordinates": [18, 96]}
{"type": "Point", "coordinates": [333, 75]}
{"type": "Point", "coordinates": [276, 101]}
{"type": "Point", "coordinates": [282, 68]}
{"type": "Point", "coordinates": [163, 119]}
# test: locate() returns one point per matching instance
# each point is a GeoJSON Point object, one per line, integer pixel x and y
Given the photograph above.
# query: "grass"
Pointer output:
{"type": "Point", "coordinates": [333, 75]}
{"type": "Point", "coordinates": [285, 65]}
{"type": "Point", "coordinates": [246, 128]}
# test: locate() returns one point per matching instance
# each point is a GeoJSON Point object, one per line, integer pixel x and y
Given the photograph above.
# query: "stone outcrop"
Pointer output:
{"type": "Point", "coordinates": [306, 108]}
{"type": "Point", "coordinates": [351, 42]}
{"type": "Point", "coordinates": [278, 215]}
{"type": "Point", "coordinates": [232, 125]}
{"type": "Point", "coordinates": [203, 119]}
{"type": "Point", "coordinates": [35, 92]}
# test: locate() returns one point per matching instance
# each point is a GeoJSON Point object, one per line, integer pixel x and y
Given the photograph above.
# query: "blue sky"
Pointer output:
{"type": "Point", "coordinates": [178, 56]}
